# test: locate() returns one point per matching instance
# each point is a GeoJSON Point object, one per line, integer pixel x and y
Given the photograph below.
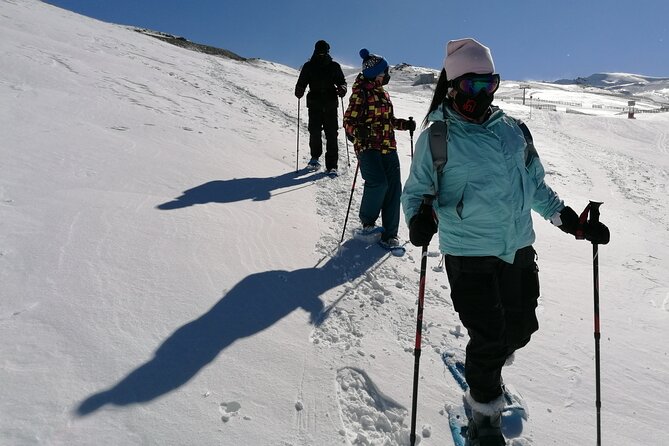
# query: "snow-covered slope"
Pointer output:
{"type": "Point", "coordinates": [169, 278]}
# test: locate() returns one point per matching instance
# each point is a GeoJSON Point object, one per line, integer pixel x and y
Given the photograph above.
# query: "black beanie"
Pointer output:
{"type": "Point", "coordinates": [321, 47]}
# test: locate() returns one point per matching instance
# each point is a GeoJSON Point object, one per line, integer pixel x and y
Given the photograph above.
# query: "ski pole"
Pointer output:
{"type": "Point", "coordinates": [355, 177]}
{"type": "Point", "coordinates": [411, 135]}
{"type": "Point", "coordinates": [348, 157]}
{"type": "Point", "coordinates": [593, 209]}
{"type": "Point", "coordinates": [427, 200]}
{"type": "Point", "coordinates": [297, 161]}
{"type": "Point", "coordinates": [594, 217]}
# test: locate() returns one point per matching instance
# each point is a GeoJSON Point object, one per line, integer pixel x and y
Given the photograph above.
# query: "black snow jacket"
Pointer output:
{"type": "Point", "coordinates": [323, 75]}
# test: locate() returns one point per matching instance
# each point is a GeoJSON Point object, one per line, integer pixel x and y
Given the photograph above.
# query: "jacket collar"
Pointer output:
{"type": "Point", "coordinates": [363, 83]}
{"type": "Point", "coordinates": [446, 113]}
{"type": "Point", "coordinates": [321, 59]}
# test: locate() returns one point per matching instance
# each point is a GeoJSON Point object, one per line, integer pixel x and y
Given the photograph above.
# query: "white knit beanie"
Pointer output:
{"type": "Point", "coordinates": [467, 56]}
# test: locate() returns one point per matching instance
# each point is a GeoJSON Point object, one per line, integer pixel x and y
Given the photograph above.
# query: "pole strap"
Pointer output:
{"type": "Point", "coordinates": [582, 220]}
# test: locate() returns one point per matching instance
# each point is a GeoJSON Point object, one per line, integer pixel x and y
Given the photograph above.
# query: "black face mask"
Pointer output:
{"type": "Point", "coordinates": [473, 107]}
{"type": "Point", "coordinates": [386, 79]}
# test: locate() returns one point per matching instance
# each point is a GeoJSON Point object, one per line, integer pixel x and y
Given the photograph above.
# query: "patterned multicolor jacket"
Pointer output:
{"type": "Point", "coordinates": [369, 120]}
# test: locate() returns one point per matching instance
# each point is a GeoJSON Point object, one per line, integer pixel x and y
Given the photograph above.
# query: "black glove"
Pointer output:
{"type": "Point", "coordinates": [341, 90]}
{"type": "Point", "coordinates": [569, 220]}
{"type": "Point", "coordinates": [410, 125]}
{"type": "Point", "coordinates": [299, 92]}
{"type": "Point", "coordinates": [423, 225]}
{"type": "Point", "coordinates": [595, 232]}
{"type": "Point", "coordinates": [362, 133]}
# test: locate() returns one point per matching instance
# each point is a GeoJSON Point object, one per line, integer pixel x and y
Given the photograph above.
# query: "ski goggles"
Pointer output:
{"type": "Point", "coordinates": [473, 84]}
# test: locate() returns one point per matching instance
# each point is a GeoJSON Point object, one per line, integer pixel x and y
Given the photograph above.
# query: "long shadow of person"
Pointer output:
{"type": "Point", "coordinates": [253, 305]}
{"type": "Point", "coordinates": [238, 189]}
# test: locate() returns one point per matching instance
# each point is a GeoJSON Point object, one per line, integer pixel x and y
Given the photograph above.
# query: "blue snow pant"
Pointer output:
{"type": "Point", "coordinates": [382, 190]}
{"type": "Point", "coordinates": [496, 303]}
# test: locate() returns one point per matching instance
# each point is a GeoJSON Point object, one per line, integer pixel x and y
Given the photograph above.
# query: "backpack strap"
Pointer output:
{"type": "Point", "coordinates": [438, 138]}
{"type": "Point", "coordinates": [438, 143]}
{"type": "Point", "coordinates": [530, 151]}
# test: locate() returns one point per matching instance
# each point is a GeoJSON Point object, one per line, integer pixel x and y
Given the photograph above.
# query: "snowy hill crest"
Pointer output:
{"type": "Point", "coordinates": [656, 88]}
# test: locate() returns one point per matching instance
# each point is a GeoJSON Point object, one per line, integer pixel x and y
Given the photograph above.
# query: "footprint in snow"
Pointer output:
{"type": "Point", "coordinates": [369, 417]}
{"type": "Point", "coordinates": [340, 328]}
{"type": "Point", "coordinates": [229, 410]}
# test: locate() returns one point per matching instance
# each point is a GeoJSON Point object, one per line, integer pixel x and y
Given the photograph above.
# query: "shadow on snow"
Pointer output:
{"type": "Point", "coordinates": [251, 306]}
{"type": "Point", "coordinates": [239, 189]}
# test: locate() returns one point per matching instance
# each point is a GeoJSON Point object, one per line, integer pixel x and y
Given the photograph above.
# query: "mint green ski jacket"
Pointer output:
{"type": "Point", "coordinates": [486, 190]}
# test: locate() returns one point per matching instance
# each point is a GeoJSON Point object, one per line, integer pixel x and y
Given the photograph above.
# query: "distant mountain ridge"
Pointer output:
{"type": "Point", "coordinates": [655, 88]}
{"type": "Point", "coordinates": [618, 82]}
{"type": "Point", "coordinates": [613, 80]}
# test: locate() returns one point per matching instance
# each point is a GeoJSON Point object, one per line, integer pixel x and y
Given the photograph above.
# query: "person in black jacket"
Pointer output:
{"type": "Point", "coordinates": [326, 81]}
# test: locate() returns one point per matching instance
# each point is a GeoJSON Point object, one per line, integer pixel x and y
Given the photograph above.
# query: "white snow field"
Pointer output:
{"type": "Point", "coordinates": [168, 278]}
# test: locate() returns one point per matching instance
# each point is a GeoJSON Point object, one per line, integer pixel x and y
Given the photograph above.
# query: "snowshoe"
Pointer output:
{"type": "Point", "coordinates": [393, 245]}
{"type": "Point", "coordinates": [368, 233]}
{"type": "Point", "coordinates": [313, 164]}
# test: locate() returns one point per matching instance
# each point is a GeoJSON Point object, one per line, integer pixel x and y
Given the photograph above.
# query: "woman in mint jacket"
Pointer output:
{"type": "Point", "coordinates": [484, 196]}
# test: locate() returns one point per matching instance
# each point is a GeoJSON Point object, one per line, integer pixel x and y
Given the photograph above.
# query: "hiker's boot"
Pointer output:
{"type": "Point", "coordinates": [485, 424]}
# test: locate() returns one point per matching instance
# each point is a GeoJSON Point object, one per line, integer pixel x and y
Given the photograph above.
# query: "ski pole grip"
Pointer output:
{"type": "Point", "coordinates": [411, 131]}
{"type": "Point", "coordinates": [594, 211]}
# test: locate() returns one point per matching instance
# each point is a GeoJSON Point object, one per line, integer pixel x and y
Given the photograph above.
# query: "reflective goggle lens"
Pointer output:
{"type": "Point", "coordinates": [475, 84]}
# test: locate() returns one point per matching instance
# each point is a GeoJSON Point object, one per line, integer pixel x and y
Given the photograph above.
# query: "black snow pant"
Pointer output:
{"type": "Point", "coordinates": [324, 119]}
{"type": "Point", "coordinates": [496, 303]}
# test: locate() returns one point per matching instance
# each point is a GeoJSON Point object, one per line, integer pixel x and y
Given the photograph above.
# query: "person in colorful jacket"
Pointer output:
{"type": "Point", "coordinates": [370, 123]}
{"type": "Point", "coordinates": [491, 181]}
{"type": "Point", "coordinates": [326, 81]}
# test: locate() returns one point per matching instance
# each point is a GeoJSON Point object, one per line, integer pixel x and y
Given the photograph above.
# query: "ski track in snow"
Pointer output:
{"type": "Point", "coordinates": [368, 418]}
{"type": "Point", "coordinates": [384, 293]}
{"type": "Point", "coordinates": [637, 181]}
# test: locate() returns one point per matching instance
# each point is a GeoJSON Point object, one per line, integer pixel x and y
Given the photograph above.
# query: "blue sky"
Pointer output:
{"type": "Point", "coordinates": [530, 40]}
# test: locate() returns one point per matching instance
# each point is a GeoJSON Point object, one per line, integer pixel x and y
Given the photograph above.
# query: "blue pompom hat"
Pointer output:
{"type": "Point", "coordinates": [372, 65]}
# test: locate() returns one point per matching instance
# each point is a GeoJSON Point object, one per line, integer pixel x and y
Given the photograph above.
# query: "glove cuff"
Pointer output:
{"type": "Point", "coordinates": [567, 220]}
